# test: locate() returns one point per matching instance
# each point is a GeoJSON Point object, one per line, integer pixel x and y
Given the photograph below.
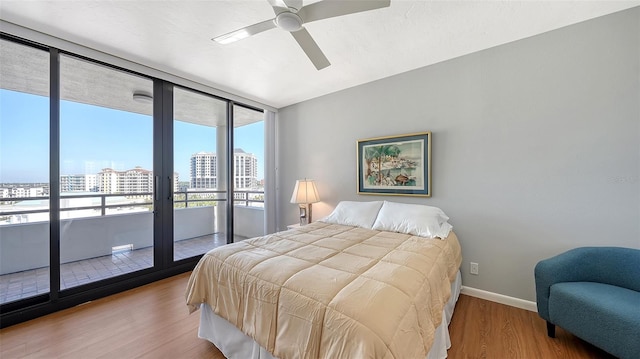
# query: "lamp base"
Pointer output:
{"type": "Point", "coordinates": [305, 214]}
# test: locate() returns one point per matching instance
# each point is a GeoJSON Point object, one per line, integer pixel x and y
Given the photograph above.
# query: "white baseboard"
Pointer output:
{"type": "Point", "coordinates": [499, 298]}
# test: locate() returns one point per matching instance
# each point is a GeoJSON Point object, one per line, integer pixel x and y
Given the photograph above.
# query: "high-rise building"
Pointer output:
{"type": "Point", "coordinates": [204, 170]}
{"type": "Point", "coordinates": [79, 183]}
{"type": "Point", "coordinates": [108, 180]}
{"type": "Point", "coordinates": [136, 180]}
{"type": "Point", "coordinates": [245, 169]}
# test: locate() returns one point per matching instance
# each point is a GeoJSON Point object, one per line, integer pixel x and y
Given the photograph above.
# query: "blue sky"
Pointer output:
{"type": "Point", "coordinates": [92, 138]}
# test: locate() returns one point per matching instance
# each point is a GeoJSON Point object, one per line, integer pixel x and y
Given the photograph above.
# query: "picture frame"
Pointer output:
{"type": "Point", "coordinates": [395, 165]}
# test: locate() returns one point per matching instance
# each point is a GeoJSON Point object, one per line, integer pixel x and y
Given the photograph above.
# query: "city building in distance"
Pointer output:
{"type": "Point", "coordinates": [29, 202]}
{"type": "Point", "coordinates": [204, 173]}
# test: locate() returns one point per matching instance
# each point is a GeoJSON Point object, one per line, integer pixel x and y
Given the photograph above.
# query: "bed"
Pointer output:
{"type": "Point", "coordinates": [371, 280]}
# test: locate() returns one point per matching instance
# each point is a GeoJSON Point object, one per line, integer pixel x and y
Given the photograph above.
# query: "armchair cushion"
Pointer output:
{"type": "Point", "coordinates": [600, 313]}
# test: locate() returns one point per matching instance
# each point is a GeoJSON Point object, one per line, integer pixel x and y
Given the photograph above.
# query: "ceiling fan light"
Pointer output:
{"type": "Point", "coordinates": [232, 37]}
{"type": "Point", "coordinates": [289, 21]}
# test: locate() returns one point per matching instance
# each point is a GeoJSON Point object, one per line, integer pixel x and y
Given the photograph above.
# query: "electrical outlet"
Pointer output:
{"type": "Point", "coordinates": [473, 268]}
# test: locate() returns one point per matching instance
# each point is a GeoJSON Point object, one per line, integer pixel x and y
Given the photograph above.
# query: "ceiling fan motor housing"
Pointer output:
{"type": "Point", "coordinates": [288, 21]}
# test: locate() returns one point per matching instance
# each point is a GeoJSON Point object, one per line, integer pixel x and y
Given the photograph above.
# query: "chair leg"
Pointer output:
{"type": "Point", "coordinates": [551, 330]}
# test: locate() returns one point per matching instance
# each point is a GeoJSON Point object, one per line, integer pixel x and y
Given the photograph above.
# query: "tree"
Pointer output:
{"type": "Point", "coordinates": [377, 153]}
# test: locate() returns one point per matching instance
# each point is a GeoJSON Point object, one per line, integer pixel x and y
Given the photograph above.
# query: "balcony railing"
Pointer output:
{"type": "Point", "coordinates": [102, 202]}
{"type": "Point", "coordinates": [249, 198]}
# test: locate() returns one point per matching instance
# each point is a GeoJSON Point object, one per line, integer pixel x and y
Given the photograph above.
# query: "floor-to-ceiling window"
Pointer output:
{"type": "Point", "coordinates": [106, 172]}
{"type": "Point", "coordinates": [200, 166]}
{"type": "Point", "coordinates": [249, 174]}
{"type": "Point", "coordinates": [24, 172]}
{"type": "Point", "coordinates": [110, 178]}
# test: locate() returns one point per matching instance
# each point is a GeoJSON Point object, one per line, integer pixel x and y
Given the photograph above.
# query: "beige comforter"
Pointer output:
{"type": "Point", "coordinates": [331, 291]}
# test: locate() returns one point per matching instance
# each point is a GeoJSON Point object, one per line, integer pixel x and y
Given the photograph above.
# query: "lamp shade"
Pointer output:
{"type": "Point", "coordinates": [304, 192]}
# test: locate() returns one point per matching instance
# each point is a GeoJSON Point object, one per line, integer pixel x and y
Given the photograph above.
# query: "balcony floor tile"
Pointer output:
{"type": "Point", "coordinates": [20, 285]}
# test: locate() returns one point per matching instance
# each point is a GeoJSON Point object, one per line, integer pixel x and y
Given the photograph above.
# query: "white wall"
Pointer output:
{"type": "Point", "coordinates": [536, 145]}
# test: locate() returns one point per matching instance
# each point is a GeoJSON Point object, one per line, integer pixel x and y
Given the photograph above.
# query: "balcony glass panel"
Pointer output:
{"type": "Point", "coordinates": [200, 142]}
{"type": "Point", "coordinates": [248, 139]}
{"type": "Point", "coordinates": [106, 164]}
{"type": "Point", "coordinates": [24, 172]}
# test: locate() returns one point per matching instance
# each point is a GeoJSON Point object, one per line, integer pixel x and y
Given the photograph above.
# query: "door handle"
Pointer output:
{"type": "Point", "coordinates": [156, 189]}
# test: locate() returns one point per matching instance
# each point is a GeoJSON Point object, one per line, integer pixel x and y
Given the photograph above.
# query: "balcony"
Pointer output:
{"type": "Point", "coordinates": [111, 237]}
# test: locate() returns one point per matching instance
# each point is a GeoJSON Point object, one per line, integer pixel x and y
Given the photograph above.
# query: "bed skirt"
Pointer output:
{"type": "Point", "coordinates": [235, 344]}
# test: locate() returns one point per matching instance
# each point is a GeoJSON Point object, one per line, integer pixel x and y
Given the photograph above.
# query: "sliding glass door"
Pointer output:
{"type": "Point", "coordinates": [106, 172]}
{"type": "Point", "coordinates": [24, 172]}
{"type": "Point", "coordinates": [110, 179]}
{"type": "Point", "coordinates": [200, 173]}
{"type": "Point", "coordinates": [248, 175]}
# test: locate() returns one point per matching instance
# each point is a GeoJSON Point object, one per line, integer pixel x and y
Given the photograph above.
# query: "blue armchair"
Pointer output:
{"type": "Point", "coordinates": [594, 293]}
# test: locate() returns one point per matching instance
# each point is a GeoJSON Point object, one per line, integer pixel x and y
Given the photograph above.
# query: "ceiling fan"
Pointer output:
{"type": "Point", "coordinates": [291, 16]}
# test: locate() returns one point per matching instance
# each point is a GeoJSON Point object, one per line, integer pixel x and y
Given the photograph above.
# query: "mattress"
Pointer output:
{"type": "Point", "coordinates": [328, 291]}
{"type": "Point", "coordinates": [236, 345]}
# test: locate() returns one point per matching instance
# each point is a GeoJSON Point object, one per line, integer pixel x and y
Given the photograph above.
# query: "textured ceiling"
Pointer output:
{"type": "Point", "coordinates": [175, 37]}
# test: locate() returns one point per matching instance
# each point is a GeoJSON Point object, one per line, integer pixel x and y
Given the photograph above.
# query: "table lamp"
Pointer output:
{"type": "Point", "coordinates": [304, 194]}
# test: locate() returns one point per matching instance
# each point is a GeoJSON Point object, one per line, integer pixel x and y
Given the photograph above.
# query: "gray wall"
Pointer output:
{"type": "Point", "coordinates": [536, 146]}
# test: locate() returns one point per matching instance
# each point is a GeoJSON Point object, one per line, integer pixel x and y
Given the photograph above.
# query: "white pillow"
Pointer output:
{"type": "Point", "coordinates": [419, 220]}
{"type": "Point", "coordinates": [360, 214]}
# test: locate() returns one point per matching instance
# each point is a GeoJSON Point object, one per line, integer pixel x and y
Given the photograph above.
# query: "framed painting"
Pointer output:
{"type": "Point", "coordinates": [395, 165]}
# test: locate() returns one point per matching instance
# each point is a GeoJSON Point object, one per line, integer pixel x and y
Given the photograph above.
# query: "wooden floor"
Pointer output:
{"type": "Point", "coordinates": [152, 322]}
{"type": "Point", "coordinates": [483, 329]}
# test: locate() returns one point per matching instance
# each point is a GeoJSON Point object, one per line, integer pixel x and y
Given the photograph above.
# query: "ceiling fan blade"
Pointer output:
{"type": "Point", "coordinates": [310, 47]}
{"type": "Point", "coordinates": [332, 8]}
{"type": "Point", "coordinates": [286, 4]}
{"type": "Point", "coordinates": [278, 3]}
{"type": "Point", "coordinates": [245, 32]}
